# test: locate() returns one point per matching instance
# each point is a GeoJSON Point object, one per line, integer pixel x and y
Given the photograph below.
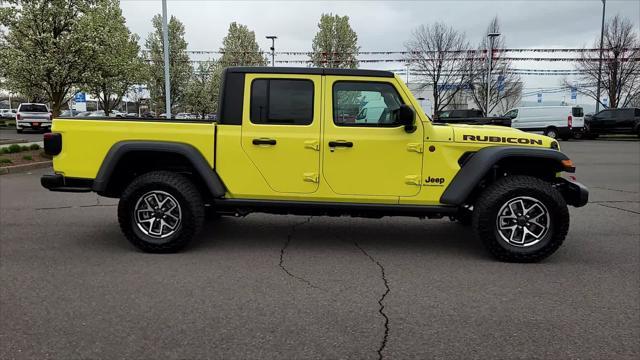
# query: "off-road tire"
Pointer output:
{"type": "Point", "coordinates": [502, 191]}
{"type": "Point", "coordinates": [188, 197]}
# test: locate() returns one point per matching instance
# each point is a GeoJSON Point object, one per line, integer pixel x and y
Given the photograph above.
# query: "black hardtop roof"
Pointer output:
{"type": "Point", "coordinates": [308, 71]}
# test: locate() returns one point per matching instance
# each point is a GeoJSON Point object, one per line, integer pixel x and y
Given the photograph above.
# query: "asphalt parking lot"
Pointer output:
{"type": "Point", "coordinates": [287, 287]}
{"type": "Point", "coordinates": [12, 134]}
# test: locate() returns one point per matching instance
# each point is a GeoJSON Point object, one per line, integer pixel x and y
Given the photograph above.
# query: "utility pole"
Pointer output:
{"type": "Point", "coordinates": [273, 48]}
{"type": "Point", "coordinates": [490, 36]}
{"type": "Point", "coordinates": [165, 41]}
{"type": "Point", "coordinates": [604, 4]}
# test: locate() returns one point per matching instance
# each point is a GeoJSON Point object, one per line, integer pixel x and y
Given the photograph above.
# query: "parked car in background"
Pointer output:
{"type": "Point", "coordinates": [553, 121]}
{"type": "Point", "coordinates": [69, 113]}
{"type": "Point", "coordinates": [32, 116]}
{"type": "Point", "coordinates": [83, 114]}
{"type": "Point", "coordinates": [148, 114]}
{"type": "Point", "coordinates": [184, 116]}
{"type": "Point", "coordinates": [8, 113]}
{"type": "Point", "coordinates": [470, 116]}
{"type": "Point", "coordinates": [613, 121]}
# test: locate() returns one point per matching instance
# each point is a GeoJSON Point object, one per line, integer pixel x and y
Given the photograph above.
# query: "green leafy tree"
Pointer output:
{"type": "Point", "coordinates": [239, 48]}
{"type": "Point", "coordinates": [117, 68]}
{"type": "Point", "coordinates": [179, 63]}
{"type": "Point", "coordinates": [46, 48]}
{"type": "Point", "coordinates": [204, 88]}
{"type": "Point", "coordinates": [335, 44]}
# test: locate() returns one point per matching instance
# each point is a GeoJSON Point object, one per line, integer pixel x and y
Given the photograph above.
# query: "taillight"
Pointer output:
{"type": "Point", "coordinates": [569, 121]}
{"type": "Point", "coordinates": [17, 116]}
{"type": "Point", "coordinates": [52, 143]}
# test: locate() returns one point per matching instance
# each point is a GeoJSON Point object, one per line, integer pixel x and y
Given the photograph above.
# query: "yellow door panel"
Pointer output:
{"type": "Point", "coordinates": [281, 129]}
{"type": "Point", "coordinates": [364, 151]}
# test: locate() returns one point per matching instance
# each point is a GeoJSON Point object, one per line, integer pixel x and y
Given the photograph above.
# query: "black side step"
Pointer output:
{"type": "Point", "coordinates": [245, 206]}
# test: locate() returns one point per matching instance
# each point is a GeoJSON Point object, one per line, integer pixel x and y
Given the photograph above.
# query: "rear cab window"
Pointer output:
{"type": "Point", "coordinates": [36, 108]}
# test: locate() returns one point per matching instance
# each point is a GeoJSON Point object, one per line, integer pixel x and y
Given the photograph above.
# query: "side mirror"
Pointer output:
{"type": "Point", "coordinates": [407, 117]}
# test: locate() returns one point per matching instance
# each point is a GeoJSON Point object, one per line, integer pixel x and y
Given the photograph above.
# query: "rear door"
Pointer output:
{"type": "Point", "coordinates": [281, 130]}
{"type": "Point", "coordinates": [602, 121]}
{"type": "Point", "coordinates": [373, 156]}
{"type": "Point", "coordinates": [624, 120]}
{"type": "Point", "coordinates": [577, 116]}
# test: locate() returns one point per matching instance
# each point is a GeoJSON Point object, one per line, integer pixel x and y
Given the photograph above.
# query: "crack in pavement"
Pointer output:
{"type": "Point", "coordinates": [383, 344]}
{"type": "Point", "coordinates": [615, 207]}
{"type": "Point", "coordinates": [619, 190]}
{"type": "Point", "coordinates": [75, 207]}
{"type": "Point", "coordinates": [284, 248]}
{"type": "Point", "coordinates": [97, 204]}
{"type": "Point", "coordinates": [614, 201]}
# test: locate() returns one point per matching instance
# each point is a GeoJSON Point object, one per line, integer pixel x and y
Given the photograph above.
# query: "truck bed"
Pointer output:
{"type": "Point", "coordinates": [87, 141]}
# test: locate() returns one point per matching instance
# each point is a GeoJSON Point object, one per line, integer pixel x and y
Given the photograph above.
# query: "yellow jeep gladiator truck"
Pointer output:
{"type": "Point", "coordinates": [319, 142]}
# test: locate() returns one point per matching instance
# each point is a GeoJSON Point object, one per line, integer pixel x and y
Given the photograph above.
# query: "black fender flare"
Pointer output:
{"type": "Point", "coordinates": [197, 160]}
{"type": "Point", "coordinates": [478, 165]}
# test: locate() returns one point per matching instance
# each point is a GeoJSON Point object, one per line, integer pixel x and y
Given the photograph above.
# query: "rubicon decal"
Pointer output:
{"type": "Point", "coordinates": [501, 139]}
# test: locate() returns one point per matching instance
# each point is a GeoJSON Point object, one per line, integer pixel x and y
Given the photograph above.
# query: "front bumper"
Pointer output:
{"type": "Point", "coordinates": [58, 182]}
{"type": "Point", "coordinates": [574, 193]}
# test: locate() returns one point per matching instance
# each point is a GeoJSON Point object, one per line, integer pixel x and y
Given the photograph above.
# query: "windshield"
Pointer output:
{"type": "Point", "coordinates": [38, 108]}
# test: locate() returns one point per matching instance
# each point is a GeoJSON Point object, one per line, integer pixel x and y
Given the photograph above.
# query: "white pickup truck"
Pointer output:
{"type": "Point", "coordinates": [33, 117]}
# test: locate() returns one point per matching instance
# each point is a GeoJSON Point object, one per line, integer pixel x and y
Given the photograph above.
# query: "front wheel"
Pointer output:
{"type": "Point", "coordinates": [521, 219]}
{"type": "Point", "coordinates": [161, 212]}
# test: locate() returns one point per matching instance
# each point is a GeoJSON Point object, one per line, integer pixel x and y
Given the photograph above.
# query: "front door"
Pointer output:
{"type": "Point", "coordinates": [366, 152]}
{"type": "Point", "coordinates": [281, 130]}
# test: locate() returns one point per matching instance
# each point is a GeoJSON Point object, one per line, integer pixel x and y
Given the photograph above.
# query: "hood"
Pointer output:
{"type": "Point", "coordinates": [498, 135]}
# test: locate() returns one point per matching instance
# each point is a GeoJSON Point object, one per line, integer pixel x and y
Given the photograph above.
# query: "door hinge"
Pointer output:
{"type": "Point", "coordinates": [417, 147]}
{"type": "Point", "coordinates": [310, 177]}
{"type": "Point", "coordinates": [312, 144]}
{"type": "Point", "coordinates": [413, 180]}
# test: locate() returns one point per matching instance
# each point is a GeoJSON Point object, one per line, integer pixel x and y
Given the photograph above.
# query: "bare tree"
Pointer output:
{"type": "Point", "coordinates": [506, 87]}
{"type": "Point", "coordinates": [509, 102]}
{"type": "Point", "coordinates": [438, 53]}
{"type": "Point", "coordinates": [620, 65]}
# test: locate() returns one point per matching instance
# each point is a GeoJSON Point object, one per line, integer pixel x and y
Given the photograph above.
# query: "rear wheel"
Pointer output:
{"type": "Point", "coordinates": [19, 131]}
{"type": "Point", "coordinates": [551, 132]}
{"type": "Point", "coordinates": [161, 212]}
{"type": "Point", "coordinates": [521, 219]}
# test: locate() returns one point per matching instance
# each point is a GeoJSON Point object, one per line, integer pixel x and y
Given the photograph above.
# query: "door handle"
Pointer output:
{"type": "Point", "coordinates": [340, 143]}
{"type": "Point", "coordinates": [264, 141]}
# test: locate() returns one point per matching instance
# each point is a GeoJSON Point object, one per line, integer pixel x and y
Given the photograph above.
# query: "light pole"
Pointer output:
{"type": "Point", "coordinates": [604, 4]}
{"type": "Point", "coordinates": [165, 41]}
{"type": "Point", "coordinates": [273, 48]}
{"type": "Point", "coordinates": [490, 36]}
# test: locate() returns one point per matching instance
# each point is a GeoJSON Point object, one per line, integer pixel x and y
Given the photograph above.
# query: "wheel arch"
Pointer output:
{"type": "Point", "coordinates": [127, 159]}
{"type": "Point", "coordinates": [491, 161]}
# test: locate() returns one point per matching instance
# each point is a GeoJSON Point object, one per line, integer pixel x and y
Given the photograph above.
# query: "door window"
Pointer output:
{"type": "Point", "coordinates": [604, 115]}
{"type": "Point", "coordinates": [577, 112]}
{"type": "Point", "coordinates": [365, 104]}
{"type": "Point", "coordinates": [281, 102]}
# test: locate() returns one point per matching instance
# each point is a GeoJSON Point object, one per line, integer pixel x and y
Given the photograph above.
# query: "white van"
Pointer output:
{"type": "Point", "coordinates": [553, 121]}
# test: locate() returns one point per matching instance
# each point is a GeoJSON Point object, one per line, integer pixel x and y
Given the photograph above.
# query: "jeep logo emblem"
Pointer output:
{"type": "Point", "coordinates": [437, 181]}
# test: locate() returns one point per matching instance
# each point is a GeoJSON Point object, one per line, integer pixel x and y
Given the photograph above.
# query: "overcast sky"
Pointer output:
{"type": "Point", "coordinates": [387, 25]}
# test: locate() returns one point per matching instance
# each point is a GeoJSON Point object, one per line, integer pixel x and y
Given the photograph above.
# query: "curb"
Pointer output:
{"type": "Point", "coordinates": [24, 167]}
